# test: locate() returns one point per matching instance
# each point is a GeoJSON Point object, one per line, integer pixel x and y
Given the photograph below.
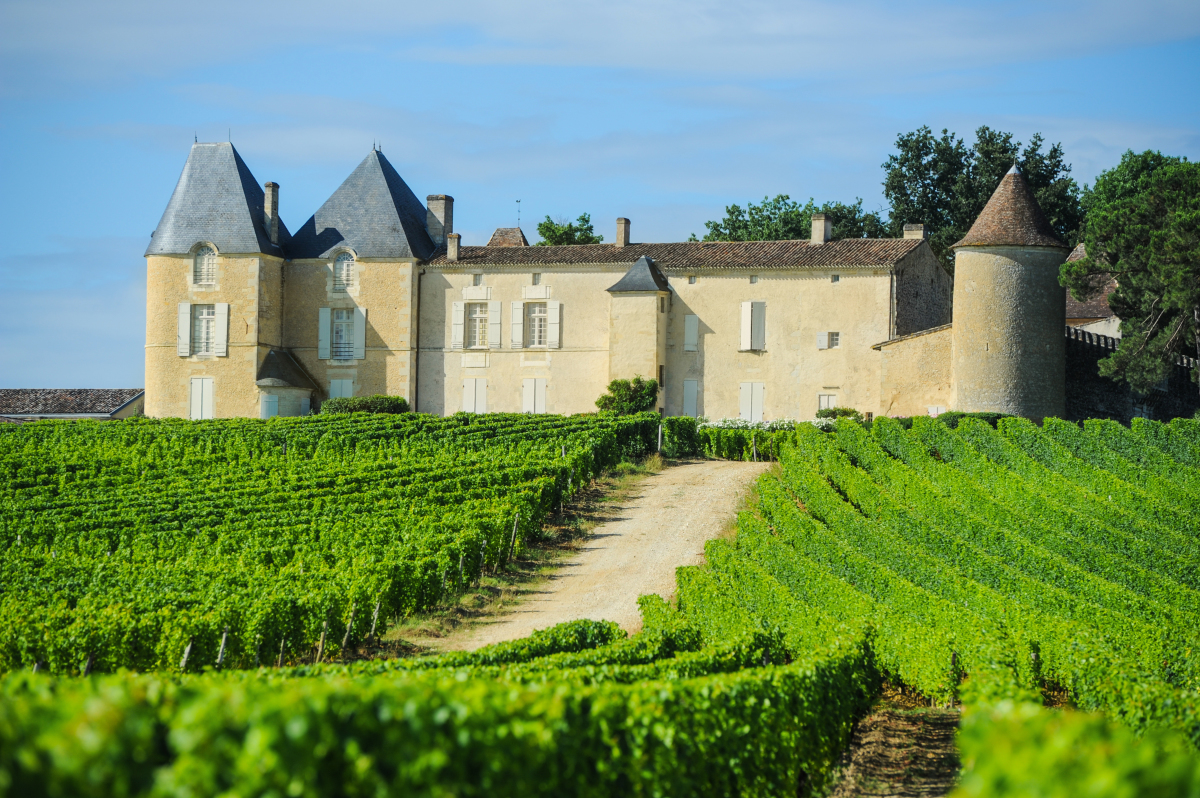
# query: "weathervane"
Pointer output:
{"type": "Point", "coordinates": [518, 214]}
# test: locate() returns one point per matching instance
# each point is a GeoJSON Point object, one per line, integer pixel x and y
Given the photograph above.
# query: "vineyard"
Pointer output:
{"type": "Point", "coordinates": [984, 566]}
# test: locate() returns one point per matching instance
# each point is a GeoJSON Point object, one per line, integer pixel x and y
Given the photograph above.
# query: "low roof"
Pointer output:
{"type": "Point", "coordinates": [280, 370]}
{"type": "Point", "coordinates": [1096, 307]}
{"type": "Point", "coordinates": [1011, 217]}
{"type": "Point", "coordinates": [642, 276]}
{"type": "Point", "coordinates": [508, 237]}
{"type": "Point", "coordinates": [844, 253]}
{"type": "Point", "coordinates": [65, 401]}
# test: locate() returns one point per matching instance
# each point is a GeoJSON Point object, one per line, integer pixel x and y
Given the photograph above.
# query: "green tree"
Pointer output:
{"type": "Point", "coordinates": [782, 219]}
{"type": "Point", "coordinates": [1143, 228]}
{"type": "Point", "coordinates": [941, 183]}
{"type": "Point", "coordinates": [564, 233]}
{"type": "Point", "coordinates": [626, 397]}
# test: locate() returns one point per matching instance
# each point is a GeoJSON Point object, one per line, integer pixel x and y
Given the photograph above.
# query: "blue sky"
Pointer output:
{"type": "Point", "coordinates": [664, 112]}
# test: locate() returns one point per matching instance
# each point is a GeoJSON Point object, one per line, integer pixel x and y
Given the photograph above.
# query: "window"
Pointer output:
{"type": "Point", "coordinates": [204, 268]}
{"type": "Point", "coordinates": [533, 395]}
{"type": "Point", "coordinates": [935, 410]}
{"type": "Point", "coordinates": [750, 404]}
{"type": "Point", "coordinates": [536, 323]}
{"type": "Point", "coordinates": [477, 325]}
{"type": "Point", "coordinates": [343, 272]}
{"type": "Point", "coordinates": [835, 340]}
{"type": "Point", "coordinates": [691, 333]}
{"type": "Point", "coordinates": [537, 279]}
{"type": "Point", "coordinates": [837, 278]}
{"type": "Point", "coordinates": [475, 395]}
{"type": "Point", "coordinates": [691, 279]}
{"type": "Point", "coordinates": [826, 401]}
{"type": "Point", "coordinates": [268, 406]}
{"type": "Point", "coordinates": [754, 327]}
{"type": "Point", "coordinates": [341, 389]}
{"type": "Point", "coordinates": [204, 329]}
{"type": "Point", "coordinates": [200, 401]}
{"type": "Point", "coordinates": [662, 379]}
{"type": "Point", "coordinates": [829, 340]}
{"type": "Point", "coordinates": [476, 279]}
{"type": "Point", "coordinates": [690, 391]}
{"type": "Point", "coordinates": [343, 334]}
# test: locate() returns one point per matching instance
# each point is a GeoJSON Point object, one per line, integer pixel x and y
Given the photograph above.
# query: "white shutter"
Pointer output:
{"type": "Point", "coordinates": [494, 324]}
{"type": "Point", "coordinates": [757, 394]}
{"type": "Point", "coordinates": [528, 399]}
{"type": "Point", "coordinates": [758, 326]}
{"type": "Point", "coordinates": [183, 336]}
{"type": "Point", "coordinates": [207, 394]}
{"type": "Point", "coordinates": [747, 326]}
{"type": "Point", "coordinates": [305, 405]}
{"type": "Point", "coordinates": [221, 344]}
{"type": "Point", "coordinates": [517, 339]}
{"type": "Point", "coordinates": [539, 395]}
{"type": "Point", "coordinates": [480, 395]}
{"type": "Point", "coordinates": [691, 333]}
{"type": "Point", "coordinates": [822, 340]}
{"type": "Point", "coordinates": [456, 325]}
{"type": "Point", "coordinates": [469, 395]}
{"type": "Point", "coordinates": [196, 398]}
{"type": "Point", "coordinates": [324, 327]}
{"type": "Point", "coordinates": [689, 398]}
{"type": "Point", "coordinates": [268, 406]}
{"type": "Point", "coordinates": [745, 400]}
{"type": "Point", "coordinates": [360, 333]}
{"type": "Point", "coordinates": [553, 325]}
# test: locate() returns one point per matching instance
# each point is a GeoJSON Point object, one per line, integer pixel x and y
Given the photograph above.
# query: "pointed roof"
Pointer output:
{"type": "Point", "coordinates": [216, 201]}
{"type": "Point", "coordinates": [508, 237]}
{"type": "Point", "coordinates": [642, 276]}
{"type": "Point", "coordinates": [1011, 217]}
{"type": "Point", "coordinates": [280, 370]}
{"type": "Point", "coordinates": [374, 213]}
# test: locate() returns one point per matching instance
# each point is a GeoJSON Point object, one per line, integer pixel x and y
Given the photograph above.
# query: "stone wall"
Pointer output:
{"type": "Point", "coordinates": [1090, 395]}
{"type": "Point", "coordinates": [915, 373]}
{"type": "Point", "coordinates": [923, 293]}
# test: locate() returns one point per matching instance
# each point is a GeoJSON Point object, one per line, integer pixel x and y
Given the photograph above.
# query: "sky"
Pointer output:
{"type": "Point", "coordinates": [662, 111]}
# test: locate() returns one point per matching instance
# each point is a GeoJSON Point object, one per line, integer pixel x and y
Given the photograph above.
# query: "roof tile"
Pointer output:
{"type": "Point", "coordinates": [1011, 217]}
{"type": "Point", "coordinates": [54, 401]}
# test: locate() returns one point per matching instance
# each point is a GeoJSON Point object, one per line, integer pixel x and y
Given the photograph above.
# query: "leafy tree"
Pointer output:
{"type": "Point", "coordinates": [943, 184]}
{"type": "Point", "coordinates": [782, 219]}
{"type": "Point", "coordinates": [626, 397]}
{"type": "Point", "coordinates": [1143, 228]}
{"type": "Point", "coordinates": [564, 233]}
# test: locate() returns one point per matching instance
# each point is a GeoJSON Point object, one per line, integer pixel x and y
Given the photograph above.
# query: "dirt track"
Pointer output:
{"type": "Point", "coordinates": [661, 526]}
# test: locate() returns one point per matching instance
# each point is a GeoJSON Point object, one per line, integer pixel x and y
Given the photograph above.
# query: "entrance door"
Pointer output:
{"type": "Point", "coordinates": [201, 399]}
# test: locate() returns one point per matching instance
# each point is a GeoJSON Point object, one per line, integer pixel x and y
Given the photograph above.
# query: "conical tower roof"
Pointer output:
{"type": "Point", "coordinates": [1011, 218]}
{"type": "Point", "coordinates": [374, 213]}
{"type": "Point", "coordinates": [216, 201]}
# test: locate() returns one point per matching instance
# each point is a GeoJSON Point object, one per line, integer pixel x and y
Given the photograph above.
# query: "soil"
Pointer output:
{"type": "Point", "coordinates": [657, 526]}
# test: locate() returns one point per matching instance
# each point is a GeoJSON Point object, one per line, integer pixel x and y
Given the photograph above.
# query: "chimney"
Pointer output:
{"type": "Point", "coordinates": [452, 247]}
{"type": "Point", "coordinates": [914, 231]}
{"type": "Point", "coordinates": [822, 229]}
{"type": "Point", "coordinates": [622, 231]}
{"type": "Point", "coordinates": [271, 212]}
{"type": "Point", "coordinates": [439, 220]}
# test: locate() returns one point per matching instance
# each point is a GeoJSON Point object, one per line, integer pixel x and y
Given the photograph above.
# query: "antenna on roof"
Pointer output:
{"type": "Point", "coordinates": [196, 138]}
{"type": "Point", "coordinates": [229, 135]}
{"type": "Point", "coordinates": [518, 214]}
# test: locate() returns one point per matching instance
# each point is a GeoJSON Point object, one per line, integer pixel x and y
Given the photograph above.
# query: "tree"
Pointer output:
{"type": "Point", "coordinates": [781, 219]}
{"type": "Point", "coordinates": [1143, 228]}
{"type": "Point", "coordinates": [626, 397]}
{"type": "Point", "coordinates": [941, 183]}
{"type": "Point", "coordinates": [564, 233]}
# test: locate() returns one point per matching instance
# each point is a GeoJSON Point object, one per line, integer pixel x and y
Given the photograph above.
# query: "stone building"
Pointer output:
{"type": "Point", "coordinates": [375, 294]}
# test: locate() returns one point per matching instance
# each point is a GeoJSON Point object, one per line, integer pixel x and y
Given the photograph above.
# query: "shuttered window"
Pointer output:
{"type": "Point", "coordinates": [343, 272]}
{"type": "Point", "coordinates": [690, 393]}
{"type": "Point", "coordinates": [268, 406]}
{"type": "Point", "coordinates": [829, 340]}
{"type": "Point", "coordinates": [204, 266]}
{"type": "Point", "coordinates": [477, 325]}
{"type": "Point", "coordinates": [475, 395]}
{"type": "Point", "coordinates": [341, 389]}
{"type": "Point", "coordinates": [343, 334]}
{"type": "Point", "coordinates": [826, 401]}
{"type": "Point", "coordinates": [536, 324]}
{"type": "Point", "coordinates": [204, 329]}
{"type": "Point", "coordinates": [750, 400]}
{"type": "Point", "coordinates": [754, 327]}
{"type": "Point", "coordinates": [200, 399]}
{"type": "Point", "coordinates": [691, 333]}
{"type": "Point", "coordinates": [533, 395]}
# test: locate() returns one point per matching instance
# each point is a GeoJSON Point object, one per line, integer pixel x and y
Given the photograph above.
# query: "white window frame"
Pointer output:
{"type": "Point", "coordinates": [835, 340]}
{"type": "Point", "coordinates": [826, 401]}
{"type": "Point", "coordinates": [204, 329]}
{"type": "Point", "coordinates": [341, 334]}
{"type": "Point", "coordinates": [537, 325]}
{"type": "Point", "coordinates": [537, 278]}
{"type": "Point", "coordinates": [475, 395]}
{"type": "Point", "coordinates": [343, 273]}
{"type": "Point", "coordinates": [533, 395]}
{"type": "Point", "coordinates": [754, 327]}
{"type": "Point", "coordinates": [204, 266]}
{"type": "Point", "coordinates": [475, 325]}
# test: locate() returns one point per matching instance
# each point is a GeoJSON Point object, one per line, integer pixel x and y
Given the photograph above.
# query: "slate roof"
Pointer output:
{"type": "Point", "coordinates": [642, 276]}
{"type": "Point", "coordinates": [508, 237]}
{"type": "Point", "coordinates": [69, 401]}
{"type": "Point", "coordinates": [373, 212]}
{"type": "Point", "coordinates": [279, 369]}
{"type": "Point", "coordinates": [1011, 217]}
{"type": "Point", "coordinates": [846, 253]}
{"type": "Point", "coordinates": [1096, 307]}
{"type": "Point", "coordinates": [216, 200]}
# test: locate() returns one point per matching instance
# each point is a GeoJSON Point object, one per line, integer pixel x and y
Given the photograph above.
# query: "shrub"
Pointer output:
{"type": "Point", "coordinates": [841, 412]}
{"type": "Point", "coordinates": [626, 397]}
{"type": "Point", "coordinates": [366, 404]}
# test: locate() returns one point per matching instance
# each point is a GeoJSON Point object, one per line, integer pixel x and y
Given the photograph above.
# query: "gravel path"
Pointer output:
{"type": "Point", "coordinates": [662, 525]}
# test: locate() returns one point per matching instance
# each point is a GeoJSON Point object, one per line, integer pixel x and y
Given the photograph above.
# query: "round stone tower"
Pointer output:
{"type": "Point", "coordinates": [1009, 310]}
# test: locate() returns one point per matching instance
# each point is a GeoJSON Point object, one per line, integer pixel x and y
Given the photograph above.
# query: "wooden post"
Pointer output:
{"type": "Point", "coordinates": [282, 643]}
{"type": "Point", "coordinates": [221, 650]}
{"type": "Point", "coordinates": [349, 626]}
{"type": "Point", "coordinates": [36, 665]}
{"type": "Point", "coordinates": [460, 570]}
{"type": "Point", "coordinates": [754, 445]}
{"type": "Point", "coordinates": [258, 652]}
{"type": "Point", "coordinates": [564, 451]}
{"type": "Point", "coordinates": [187, 652]}
{"type": "Point", "coordinates": [321, 643]}
{"type": "Point", "coordinates": [374, 619]}
{"type": "Point", "coordinates": [87, 666]}
{"type": "Point", "coordinates": [512, 546]}
{"type": "Point", "coordinates": [660, 438]}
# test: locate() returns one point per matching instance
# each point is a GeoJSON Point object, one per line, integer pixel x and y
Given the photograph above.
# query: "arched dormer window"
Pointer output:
{"type": "Point", "coordinates": [204, 266]}
{"type": "Point", "coordinates": [343, 272]}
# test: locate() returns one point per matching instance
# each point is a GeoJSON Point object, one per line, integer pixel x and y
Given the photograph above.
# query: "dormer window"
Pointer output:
{"type": "Point", "coordinates": [204, 266]}
{"type": "Point", "coordinates": [343, 272]}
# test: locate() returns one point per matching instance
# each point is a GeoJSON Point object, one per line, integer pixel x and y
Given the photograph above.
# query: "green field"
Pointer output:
{"type": "Point", "coordinates": [979, 566]}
